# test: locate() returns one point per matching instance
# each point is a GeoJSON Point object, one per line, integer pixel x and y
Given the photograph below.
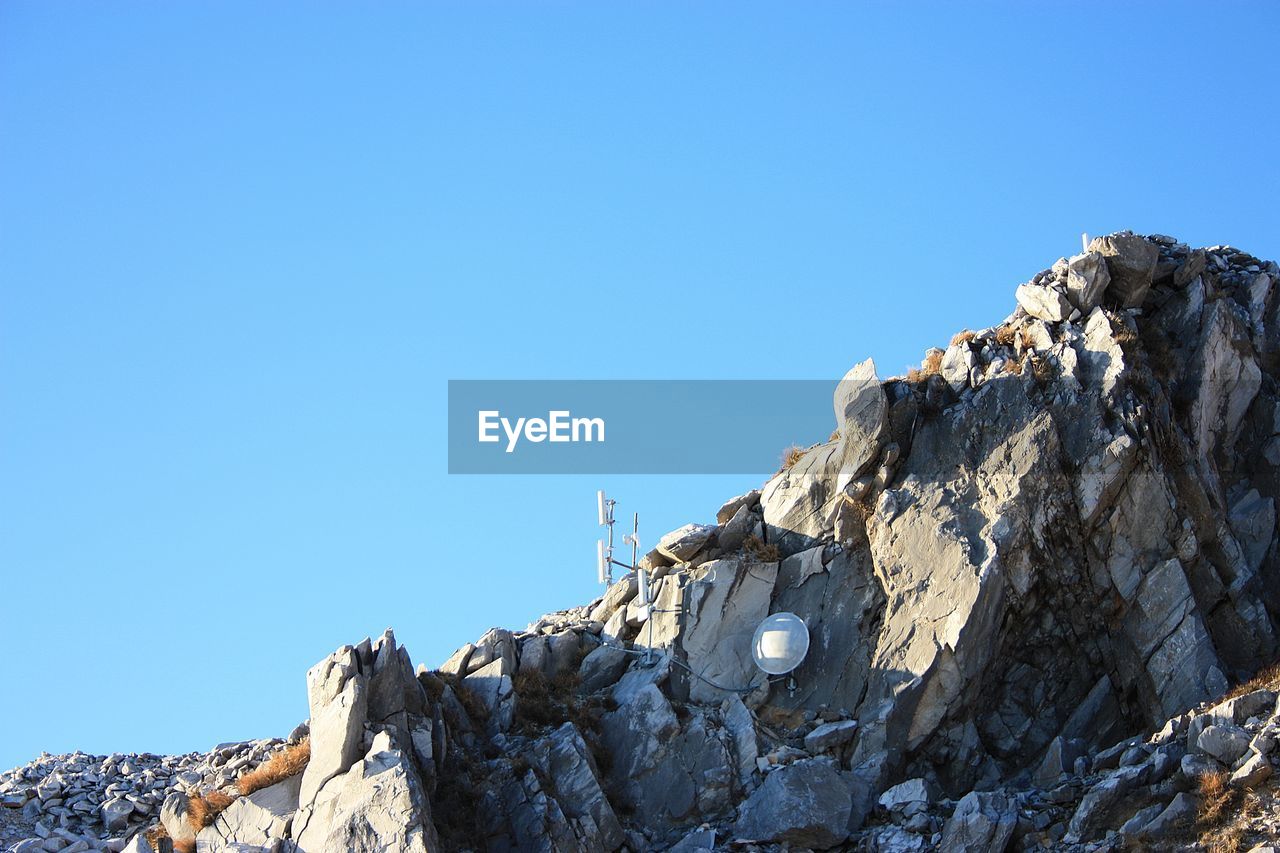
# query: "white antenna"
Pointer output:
{"type": "Point", "coordinates": [604, 549]}
{"type": "Point", "coordinates": [1084, 242]}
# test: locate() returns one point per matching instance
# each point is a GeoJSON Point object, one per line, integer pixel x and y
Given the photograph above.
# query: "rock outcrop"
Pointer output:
{"type": "Point", "coordinates": [1029, 571]}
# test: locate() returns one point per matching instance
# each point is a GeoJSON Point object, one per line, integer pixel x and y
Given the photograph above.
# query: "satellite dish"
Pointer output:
{"type": "Point", "coordinates": [780, 643]}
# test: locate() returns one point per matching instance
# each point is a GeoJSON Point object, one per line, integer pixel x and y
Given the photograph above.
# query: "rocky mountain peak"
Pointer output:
{"type": "Point", "coordinates": [1030, 569]}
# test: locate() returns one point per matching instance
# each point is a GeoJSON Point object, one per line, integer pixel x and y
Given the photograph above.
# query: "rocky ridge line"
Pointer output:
{"type": "Point", "coordinates": [1057, 535]}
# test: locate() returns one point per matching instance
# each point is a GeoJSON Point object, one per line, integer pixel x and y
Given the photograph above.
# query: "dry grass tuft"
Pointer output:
{"type": "Point", "coordinates": [542, 701]}
{"type": "Point", "coordinates": [1215, 794]}
{"type": "Point", "coordinates": [932, 364]}
{"type": "Point", "coordinates": [963, 337]}
{"type": "Point", "coordinates": [471, 703]}
{"type": "Point", "coordinates": [202, 809]}
{"type": "Point", "coordinates": [760, 551]}
{"type": "Point", "coordinates": [185, 845]}
{"type": "Point", "coordinates": [791, 456]}
{"type": "Point", "coordinates": [1028, 342]}
{"type": "Point", "coordinates": [287, 762]}
{"type": "Point", "coordinates": [1014, 365]}
{"type": "Point", "coordinates": [1223, 818]}
{"type": "Point", "coordinates": [1006, 335]}
{"type": "Point", "coordinates": [155, 834]}
{"type": "Point", "coordinates": [1041, 369]}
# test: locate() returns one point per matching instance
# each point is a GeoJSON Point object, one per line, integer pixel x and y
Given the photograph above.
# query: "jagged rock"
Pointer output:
{"type": "Point", "coordinates": [173, 816]}
{"type": "Point", "coordinates": [740, 525]}
{"type": "Point", "coordinates": [733, 506]}
{"type": "Point", "coordinates": [1044, 302]}
{"type": "Point", "coordinates": [741, 728]}
{"type": "Point", "coordinates": [1253, 521]}
{"type": "Point", "coordinates": [981, 823]}
{"type": "Point", "coordinates": [115, 813]}
{"type": "Point", "coordinates": [721, 612]}
{"type": "Point", "coordinates": [1255, 770]}
{"type": "Point", "coordinates": [839, 595]}
{"type": "Point", "coordinates": [337, 696]}
{"type": "Point", "coordinates": [1096, 806]}
{"type": "Point", "coordinates": [957, 363]}
{"type": "Point", "coordinates": [862, 414]}
{"type": "Point", "coordinates": [1180, 812]}
{"type": "Point", "coordinates": [701, 840]}
{"type": "Point", "coordinates": [1087, 280]}
{"type": "Point", "coordinates": [666, 772]}
{"type": "Point", "coordinates": [1061, 541]}
{"type": "Point", "coordinates": [804, 804]}
{"type": "Point", "coordinates": [377, 805]}
{"type": "Point", "coordinates": [683, 544]}
{"type": "Point", "coordinates": [795, 502]}
{"type": "Point", "coordinates": [1166, 627]}
{"type": "Point", "coordinates": [829, 736]}
{"type": "Point", "coordinates": [1059, 759]}
{"type": "Point", "coordinates": [907, 798]}
{"type": "Point", "coordinates": [258, 819]}
{"type": "Point", "coordinates": [1224, 742]}
{"type": "Point", "coordinates": [563, 757]}
{"type": "Point", "coordinates": [602, 667]}
{"type": "Point", "coordinates": [492, 686]}
{"type": "Point", "coordinates": [616, 596]}
{"type": "Point", "coordinates": [1131, 262]}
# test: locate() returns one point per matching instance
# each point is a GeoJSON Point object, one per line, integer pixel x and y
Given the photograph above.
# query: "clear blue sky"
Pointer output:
{"type": "Point", "coordinates": [243, 247]}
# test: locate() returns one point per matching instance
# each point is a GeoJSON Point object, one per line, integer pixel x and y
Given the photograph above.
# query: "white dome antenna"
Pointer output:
{"type": "Point", "coordinates": [780, 643]}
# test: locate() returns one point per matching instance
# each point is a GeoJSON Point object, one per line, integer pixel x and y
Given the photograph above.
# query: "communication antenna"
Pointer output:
{"type": "Point", "coordinates": [1084, 242]}
{"type": "Point", "coordinates": [780, 645]}
{"type": "Point", "coordinates": [604, 548]}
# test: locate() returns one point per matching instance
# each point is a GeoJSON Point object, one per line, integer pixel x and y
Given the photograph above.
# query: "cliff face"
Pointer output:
{"type": "Point", "coordinates": [1055, 535]}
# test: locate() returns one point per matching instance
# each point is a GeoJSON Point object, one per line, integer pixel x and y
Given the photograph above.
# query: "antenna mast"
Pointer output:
{"type": "Point", "coordinates": [604, 548]}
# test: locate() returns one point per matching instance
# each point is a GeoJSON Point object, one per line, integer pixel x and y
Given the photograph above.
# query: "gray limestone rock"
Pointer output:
{"type": "Point", "coordinates": [1131, 262]}
{"type": "Point", "coordinates": [805, 804]}
{"type": "Point", "coordinates": [981, 823]}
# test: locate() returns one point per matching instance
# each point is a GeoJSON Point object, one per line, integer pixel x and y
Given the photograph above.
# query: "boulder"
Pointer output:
{"type": "Point", "coordinates": [805, 804]}
{"type": "Point", "coordinates": [492, 686]}
{"type": "Point", "coordinates": [907, 798]}
{"type": "Point", "coordinates": [1087, 280]}
{"type": "Point", "coordinates": [665, 772]}
{"type": "Point", "coordinates": [683, 544]}
{"type": "Point", "coordinates": [1180, 812]}
{"type": "Point", "coordinates": [1044, 302]}
{"type": "Point", "coordinates": [258, 819]}
{"type": "Point", "coordinates": [377, 805]}
{"type": "Point", "coordinates": [981, 823]}
{"type": "Point", "coordinates": [830, 736]}
{"type": "Point", "coordinates": [1226, 743]}
{"type": "Point", "coordinates": [731, 507]}
{"type": "Point", "coordinates": [115, 813]}
{"type": "Point", "coordinates": [1255, 770]}
{"type": "Point", "coordinates": [173, 816]}
{"type": "Point", "coordinates": [602, 667]}
{"type": "Point", "coordinates": [1131, 262]}
{"type": "Point", "coordinates": [618, 594]}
